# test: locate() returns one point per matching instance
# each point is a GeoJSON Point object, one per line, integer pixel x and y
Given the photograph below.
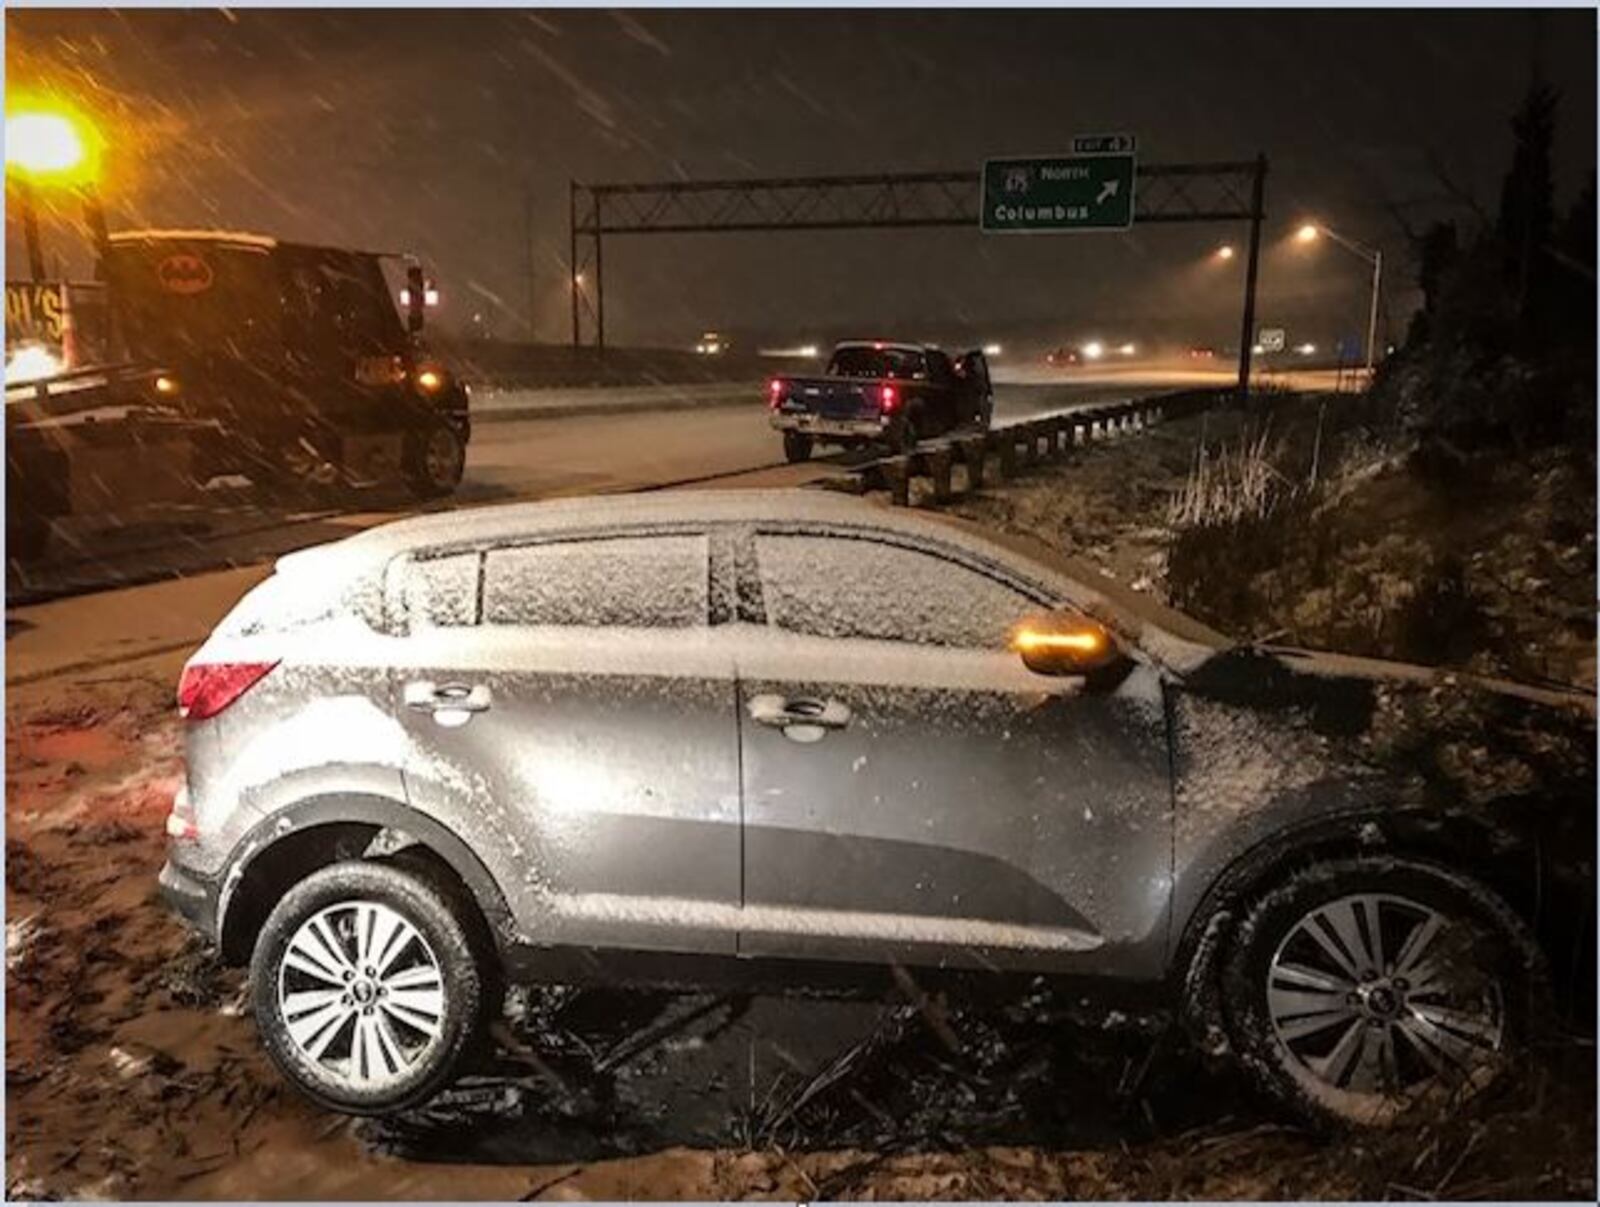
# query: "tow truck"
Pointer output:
{"type": "Point", "coordinates": [206, 354]}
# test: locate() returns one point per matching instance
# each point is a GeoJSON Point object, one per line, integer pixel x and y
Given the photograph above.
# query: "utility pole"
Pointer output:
{"type": "Point", "coordinates": [527, 250]}
{"type": "Point", "coordinates": [1372, 316]}
{"type": "Point", "coordinates": [572, 253]}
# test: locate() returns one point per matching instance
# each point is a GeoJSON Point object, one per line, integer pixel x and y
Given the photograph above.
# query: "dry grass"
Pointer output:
{"type": "Point", "coordinates": [1227, 485]}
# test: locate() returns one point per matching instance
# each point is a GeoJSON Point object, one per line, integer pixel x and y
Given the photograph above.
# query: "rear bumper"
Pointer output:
{"type": "Point", "coordinates": [816, 425]}
{"type": "Point", "coordinates": [191, 896]}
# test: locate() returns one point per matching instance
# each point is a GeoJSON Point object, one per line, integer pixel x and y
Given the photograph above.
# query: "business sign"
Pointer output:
{"type": "Point", "coordinates": [1271, 339]}
{"type": "Point", "coordinates": [36, 312]}
{"type": "Point", "coordinates": [1080, 192]}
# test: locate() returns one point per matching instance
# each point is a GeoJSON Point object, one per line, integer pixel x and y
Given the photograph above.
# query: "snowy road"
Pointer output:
{"type": "Point", "coordinates": [633, 446]}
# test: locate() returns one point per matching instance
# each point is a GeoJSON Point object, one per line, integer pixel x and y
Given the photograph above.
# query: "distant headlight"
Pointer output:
{"type": "Point", "coordinates": [166, 386]}
{"type": "Point", "coordinates": [430, 381]}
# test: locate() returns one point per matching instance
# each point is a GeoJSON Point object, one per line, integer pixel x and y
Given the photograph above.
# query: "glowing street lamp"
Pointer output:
{"type": "Point", "coordinates": [49, 147]}
{"type": "Point", "coordinates": [1225, 252]}
{"type": "Point", "coordinates": [1309, 232]}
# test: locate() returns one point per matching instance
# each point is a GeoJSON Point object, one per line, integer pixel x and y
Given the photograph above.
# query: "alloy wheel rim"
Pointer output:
{"type": "Point", "coordinates": [440, 458]}
{"type": "Point", "coordinates": [1379, 996]}
{"type": "Point", "coordinates": [361, 994]}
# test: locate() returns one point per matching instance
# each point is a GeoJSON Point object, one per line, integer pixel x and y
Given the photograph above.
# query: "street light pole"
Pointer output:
{"type": "Point", "coordinates": [1372, 256]}
{"type": "Point", "coordinates": [1372, 315]}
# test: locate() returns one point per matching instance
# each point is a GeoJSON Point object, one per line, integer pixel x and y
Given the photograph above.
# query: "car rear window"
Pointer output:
{"type": "Point", "coordinates": [838, 586]}
{"type": "Point", "coordinates": [635, 582]}
{"type": "Point", "coordinates": [877, 362]}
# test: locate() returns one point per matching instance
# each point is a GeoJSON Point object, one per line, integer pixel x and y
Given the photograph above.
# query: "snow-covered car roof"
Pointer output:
{"type": "Point", "coordinates": [1171, 636]}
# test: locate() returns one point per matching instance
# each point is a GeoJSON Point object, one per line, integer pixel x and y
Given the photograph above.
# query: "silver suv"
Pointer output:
{"type": "Point", "coordinates": [658, 736]}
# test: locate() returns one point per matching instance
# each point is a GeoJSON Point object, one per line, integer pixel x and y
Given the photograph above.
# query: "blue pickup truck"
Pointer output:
{"type": "Point", "coordinates": [875, 391]}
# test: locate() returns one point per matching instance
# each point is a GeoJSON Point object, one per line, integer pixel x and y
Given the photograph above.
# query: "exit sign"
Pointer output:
{"type": "Point", "coordinates": [1080, 192]}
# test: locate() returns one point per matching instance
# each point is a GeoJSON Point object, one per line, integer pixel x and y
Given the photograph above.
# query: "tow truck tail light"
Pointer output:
{"type": "Point", "coordinates": [890, 397]}
{"type": "Point", "coordinates": [774, 391]}
{"type": "Point", "coordinates": [207, 688]}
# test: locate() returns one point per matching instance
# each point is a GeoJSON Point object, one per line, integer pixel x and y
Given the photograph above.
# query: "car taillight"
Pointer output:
{"type": "Point", "coordinates": [207, 688]}
{"type": "Point", "coordinates": [774, 391]}
{"type": "Point", "coordinates": [890, 397]}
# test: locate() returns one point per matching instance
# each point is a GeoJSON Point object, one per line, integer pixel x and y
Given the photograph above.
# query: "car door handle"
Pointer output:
{"type": "Point", "coordinates": [447, 697]}
{"type": "Point", "coordinates": [804, 712]}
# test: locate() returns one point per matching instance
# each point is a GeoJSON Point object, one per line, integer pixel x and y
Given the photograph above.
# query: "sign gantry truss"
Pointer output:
{"type": "Point", "coordinates": [1173, 192]}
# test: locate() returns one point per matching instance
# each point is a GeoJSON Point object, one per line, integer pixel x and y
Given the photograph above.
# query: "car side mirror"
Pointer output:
{"type": "Point", "coordinates": [1063, 644]}
{"type": "Point", "coordinates": [416, 297]}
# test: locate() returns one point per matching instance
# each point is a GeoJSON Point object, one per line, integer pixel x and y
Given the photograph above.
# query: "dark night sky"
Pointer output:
{"type": "Point", "coordinates": [420, 130]}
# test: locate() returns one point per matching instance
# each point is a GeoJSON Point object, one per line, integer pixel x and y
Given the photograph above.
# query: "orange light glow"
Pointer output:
{"type": "Point", "coordinates": [49, 143]}
{"type": "Point", "coordinates": [1085, 641]}
{"type": "Point", "coordinates": [430, 380]}
{"type": "Point", "coordinates": [166, 385]}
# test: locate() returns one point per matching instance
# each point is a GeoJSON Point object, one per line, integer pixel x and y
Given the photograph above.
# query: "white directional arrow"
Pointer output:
{"type": "Point", "coordinates": [1107, 191]}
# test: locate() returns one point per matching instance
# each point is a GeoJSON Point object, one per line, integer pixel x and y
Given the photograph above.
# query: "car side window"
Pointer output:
{"type": "Point", "coordinates": [441, 592]}
{"type": "Point", "coordinates": [940, 371]}
{"type": "Point", "coordinates": [842, 586]}
{"type": "Point", "coordinates": [630, 581]}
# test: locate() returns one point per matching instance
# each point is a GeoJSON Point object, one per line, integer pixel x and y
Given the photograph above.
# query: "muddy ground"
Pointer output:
{"type": "Point", "coordinates": [132, 1068]}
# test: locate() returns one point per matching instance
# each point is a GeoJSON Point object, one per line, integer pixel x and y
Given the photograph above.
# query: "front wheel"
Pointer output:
{"type": "Point", "coordinates": [435, 460]}
{"type": "Point", "coordinates": [27, 535]}
{"type": "Point", "coordinates": [797, 447]}
{"type": "Point", "coordinates": [1362, 990]}
{"type": "Point", "coordinates": [366, 987]}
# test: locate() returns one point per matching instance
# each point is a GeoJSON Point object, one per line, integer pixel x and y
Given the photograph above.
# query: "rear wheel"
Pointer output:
{"type": "Point", "coordinates": [435, 460]}
{"type": "Point", "coordinates": [1362, 990]}
{"type": "Point", "coordinates": [797, 447]}
{"type": "Point", "coordinates": [902, 434]}
{"type": "Point", "coordinates": [367, 989]}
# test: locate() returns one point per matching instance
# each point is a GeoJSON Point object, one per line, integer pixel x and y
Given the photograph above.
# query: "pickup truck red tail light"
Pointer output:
{"type": "Point", "coordinates": [774, 391]}
{"type": "Point", "coordinates": [890, 397]}
{"type": "Point", "coordinates": [207, 688]}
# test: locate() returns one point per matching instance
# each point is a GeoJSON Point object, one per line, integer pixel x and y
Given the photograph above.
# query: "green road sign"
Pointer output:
{"type": "Point", "coordinates": [1068, 193]}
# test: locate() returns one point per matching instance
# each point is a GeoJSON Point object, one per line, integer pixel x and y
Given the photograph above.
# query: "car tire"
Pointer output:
{"type": "Point", "coordinates": [27, 536]}
{"type": "Point", "coordinates": [903, 435]}
{"type": "Point", "coordinates": [797, 447]}
{"type": "Point", "coordinates": [1346, 1032]}
{"type": "Point", "coordinates": [435, 460]}
{"type": "Point", "coordinates": [369, 1044]}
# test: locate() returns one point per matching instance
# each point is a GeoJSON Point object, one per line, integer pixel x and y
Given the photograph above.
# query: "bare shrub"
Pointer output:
{"type": "Point", "coordinates": [1230, 485]}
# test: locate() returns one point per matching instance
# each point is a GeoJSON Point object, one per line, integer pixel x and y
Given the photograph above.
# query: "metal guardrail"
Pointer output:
{"type": "Point", "coordinates": [1006, 450]}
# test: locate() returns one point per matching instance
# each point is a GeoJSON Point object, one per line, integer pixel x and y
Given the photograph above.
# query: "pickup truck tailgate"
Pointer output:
{"type": "Point", "coordinates": [832, 399]}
